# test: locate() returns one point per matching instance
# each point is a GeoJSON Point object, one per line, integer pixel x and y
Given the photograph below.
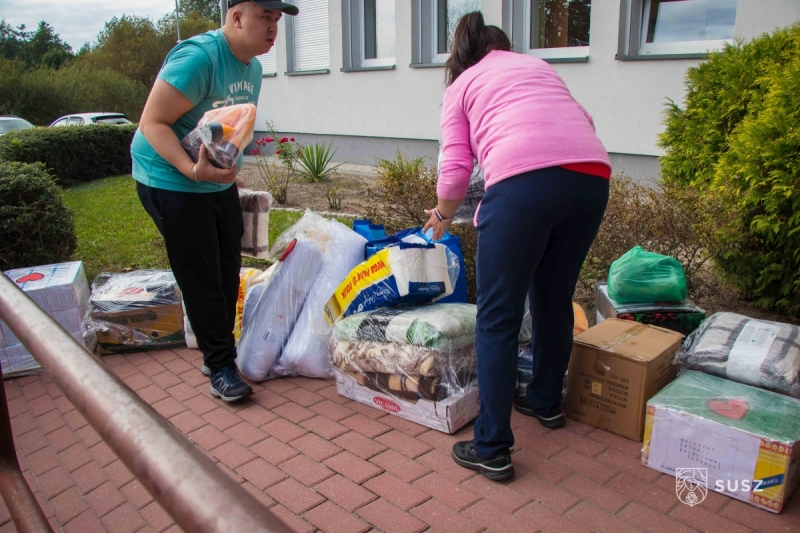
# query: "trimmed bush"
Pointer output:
{"type": "Point", "coordinates": [73, 154]}
{"type": "Point", "coordinates": [737, 141]}
{"type": "Point", "coordinates": [36, 228]}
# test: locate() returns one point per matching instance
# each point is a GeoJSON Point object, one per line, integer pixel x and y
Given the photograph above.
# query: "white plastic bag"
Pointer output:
{"type": "Point", "coordinates": [308, 351]}
{"type": "Point", "coordinates": [271, 309]}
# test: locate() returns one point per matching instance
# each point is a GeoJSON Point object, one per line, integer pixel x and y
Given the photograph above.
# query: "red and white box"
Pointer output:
{"type": "Point", "coordinates": [448, 415]}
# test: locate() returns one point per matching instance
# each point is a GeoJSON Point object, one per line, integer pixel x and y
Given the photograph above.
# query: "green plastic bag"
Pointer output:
{"type": "Point", "coordinates": [646, 277]}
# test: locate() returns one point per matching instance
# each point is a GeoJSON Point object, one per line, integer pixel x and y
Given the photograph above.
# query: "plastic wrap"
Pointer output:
{"type": "Point", "coordinates": [646, 277]}
{"type": "Point", "coordinates": [61, 290]}
{"type": "Point", "coordinates": [409, 353]}
{"type": "Point", "coordinates": [255, 215]}
{"type": "Point", "coordinates": [744, 439]}
{"type": "Point", "coordinates": [225, 132]}
{"type": "Point", "coordinates": [271, 309]}
{"type": "Point", "coordinates": [307, 353]}
{"type": "Point", "coordinates": [475, 191]}
{"type": "Point", "coordinates": [401, 274]}
{"type": "Point", "coordinates": [135, 311]}
{"type": "Point", "coordinates": [755, 352]}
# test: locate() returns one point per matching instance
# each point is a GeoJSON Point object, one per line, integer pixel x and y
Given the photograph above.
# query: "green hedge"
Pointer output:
{"type": "Point", "coordinates": [737, 140]}
{"type": "Point", "coordinates": [36, 228]}
{"type": "Point", "coordinates": [73, 154]}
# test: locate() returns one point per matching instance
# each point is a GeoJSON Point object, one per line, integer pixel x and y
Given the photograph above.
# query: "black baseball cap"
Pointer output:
{"type": "Point", "coordinates": [289, 9]}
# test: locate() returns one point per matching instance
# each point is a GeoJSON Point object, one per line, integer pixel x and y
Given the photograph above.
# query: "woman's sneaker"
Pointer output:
{"type": "Point", "coordinates": [552, 418]}
{"type": "Point", "coordinates": [497, 468]}
{"type": "Point", "coordinates": [205, 370]}
{"type": "Point", "coordinates": [227, 385]}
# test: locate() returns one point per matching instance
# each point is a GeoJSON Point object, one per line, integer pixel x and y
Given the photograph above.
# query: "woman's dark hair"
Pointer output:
{"type": "Point", "coordinates": [472, 41]}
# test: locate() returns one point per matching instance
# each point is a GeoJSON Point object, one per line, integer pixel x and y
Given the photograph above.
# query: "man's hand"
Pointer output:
{"type": "Point", "coordinates": [208, 172]}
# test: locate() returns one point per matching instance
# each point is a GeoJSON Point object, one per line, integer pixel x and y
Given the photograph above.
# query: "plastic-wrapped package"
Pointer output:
{"type": "Point", "coordinates": [271, 309]}
{"type": "Point", "coordinates": [646, 277]}
{"type": "Point", "coordinates": [134, 311]}
{"type": "Point", "coordinates": [307, 353]}
{"type": "Point", "coordinates": [743, 441]}
{"type": "Point", "coordinates": [255, 215]}
{"type": "Point", "coordinates": [435, 342]}
{"type": "Point", "coordinates": [61, 290]}
{"type": "Point", "coordinates": [524, 369]}
{"type": "Point", "coordinates": [475, 191]}
{"type": "Point", "coordinates": [579, 325]}
{"type": "Point", "coordinates": [401, 274]}
{"type": "Point", "coordinates": [755, 352]}
{"type": "Point", "coordinates": [225, 132]}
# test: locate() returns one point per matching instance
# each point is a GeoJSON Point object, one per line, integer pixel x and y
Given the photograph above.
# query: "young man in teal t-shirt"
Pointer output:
{"type": "Point", "coordinates": [196, 206]}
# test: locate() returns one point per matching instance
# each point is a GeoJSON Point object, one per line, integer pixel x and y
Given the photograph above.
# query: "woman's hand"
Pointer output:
{"type": "Point", "coordinates": [205, 171]}
{"type": "Point", "coordinates": [440, 226]}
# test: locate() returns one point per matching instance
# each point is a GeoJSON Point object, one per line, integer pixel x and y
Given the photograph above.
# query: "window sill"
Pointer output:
{"type": "Point", "coordinates": [583, 59]}
{"type": "Point", "coordinates": [308, 72]}
{"type": "Point", "coordinates": [366, 69]}
{"type": "Point", "coordinates": [273, 75]}
{"type": "Point", "coordinates": [426, 65]}
{"type": "Point", "coordinates": [646, 57]}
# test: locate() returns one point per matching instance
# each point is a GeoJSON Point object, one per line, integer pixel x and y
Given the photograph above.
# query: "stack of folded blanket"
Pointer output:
{"type": "Point", "coordinates": [755, 352]}
{"type": "Point", "coordinates": [425, 352]}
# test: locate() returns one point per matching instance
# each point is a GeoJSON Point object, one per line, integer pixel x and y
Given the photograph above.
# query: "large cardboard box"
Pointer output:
{"type": "Point", "coordinates": [62, 291]}
{"type": "Point", "coordinates": [615, 368]}
{"type": "Point", "coordinates": [683, 317]}
{"type": "Point", "coordinates": [140, 310]}
{"type": "Point", "coordinates": [448, 415]}
{"type": "Point", "coordinates": [719, 435]}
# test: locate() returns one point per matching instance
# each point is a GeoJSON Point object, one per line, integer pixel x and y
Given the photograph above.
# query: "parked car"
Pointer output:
{"type": "Point", "coordinates": [89, 119]}
{"type": "Point", "coordinates": [11, 123]}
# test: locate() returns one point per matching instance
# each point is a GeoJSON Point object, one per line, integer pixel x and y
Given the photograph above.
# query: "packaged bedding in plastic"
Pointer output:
{"type": "Point", "coordinates": [307, 352]}
{"type": "Point", "coordinates": [255, 215]}
{"type": "Point", "coordinates": [420, 352]}
{"type": "Point", "coordinates": [225, 132]}
{"type": "Point", "coordinates": [755, 352]}
{"type": "Point", "coordinates": [135, 311]}
{"type": "Point", "coordinates": [400, 274]}
{"type": "Point", "coordinates": [271, 309]}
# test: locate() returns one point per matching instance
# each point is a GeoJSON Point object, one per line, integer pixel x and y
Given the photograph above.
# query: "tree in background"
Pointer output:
{"type": "Point", "coordinates": [209, 9]}
{"type": "Point", "coordinates": [34, 49]}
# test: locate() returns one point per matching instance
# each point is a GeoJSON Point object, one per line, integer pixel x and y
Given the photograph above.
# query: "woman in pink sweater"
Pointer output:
{"type": "Point", "coordinates": [547, 181]}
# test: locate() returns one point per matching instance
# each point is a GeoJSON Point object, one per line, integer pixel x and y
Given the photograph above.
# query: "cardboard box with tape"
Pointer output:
{"type": "Point", "coordinates": [615, 368]}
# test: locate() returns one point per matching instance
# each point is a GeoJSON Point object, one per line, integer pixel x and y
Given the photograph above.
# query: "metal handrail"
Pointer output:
{"type": "Point", "coordinates": [187, 484]}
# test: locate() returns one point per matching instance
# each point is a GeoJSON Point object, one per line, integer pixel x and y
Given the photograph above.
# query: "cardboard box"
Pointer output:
{"type": "Point", "coordinates": [62, 291]}
{"type": "Point", "coordinates": [448, 415]}
{"type": "Point", "coordinates": [135, 329]}
{"type": "Point", "coordinates": [615, 368]}
{"type": "Point", "coordinates": [731, 438]}
{"type": "Point", "coordinates": [683, 317]}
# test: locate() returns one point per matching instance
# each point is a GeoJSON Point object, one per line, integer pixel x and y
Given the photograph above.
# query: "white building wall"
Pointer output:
{"type": "Point", "coordinates": [626, 98]}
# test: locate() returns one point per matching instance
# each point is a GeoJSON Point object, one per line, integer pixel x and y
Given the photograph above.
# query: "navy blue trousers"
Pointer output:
{"type": "Point", "coordinates": [534, 232]}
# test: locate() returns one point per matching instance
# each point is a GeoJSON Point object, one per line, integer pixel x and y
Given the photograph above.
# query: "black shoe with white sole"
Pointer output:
{"type": "Point", "coordinates": [228, 386]}
{"type": "Point", "coordinates": [552, 418]}
{"type": "Point", "coordinates": [497, 468]}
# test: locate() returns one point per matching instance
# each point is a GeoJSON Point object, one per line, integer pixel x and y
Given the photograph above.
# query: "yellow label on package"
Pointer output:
{"type": "Point", "coordinates": [371, 271]}
{"type": "Point", "coordinates": [246, 278]}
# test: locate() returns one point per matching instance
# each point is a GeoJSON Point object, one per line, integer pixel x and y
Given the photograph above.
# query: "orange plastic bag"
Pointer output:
{"type": "Point", "coordinates": [580, 324]}
{"type": "Point", "coordinates": [225, 132]}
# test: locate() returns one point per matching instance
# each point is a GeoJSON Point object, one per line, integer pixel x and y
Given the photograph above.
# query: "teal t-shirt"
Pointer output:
{"type": "Point", "coordinates": [207, 73]}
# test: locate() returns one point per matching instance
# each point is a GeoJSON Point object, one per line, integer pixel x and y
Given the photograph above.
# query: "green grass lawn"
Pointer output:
{"type": "Point", "coordinates": [115, 233]}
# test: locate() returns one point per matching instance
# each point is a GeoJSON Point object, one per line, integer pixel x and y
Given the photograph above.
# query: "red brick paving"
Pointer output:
{"type": "Point", "coordinates": [323, 463]}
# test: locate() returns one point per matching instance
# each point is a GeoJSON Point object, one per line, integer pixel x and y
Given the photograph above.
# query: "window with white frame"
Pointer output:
{"type": "Point", "coordinates": [308, 38]}
{"type": "Point", "coordinates": [446, 15]}
{"type": "Point", "coordinates": [677, 27]}
{"type": "Point", "coordinates": [557, 28]}
{"type": "Point", "coordinates": [368, 35]}
{"type": "Point", "coordinates": [269, 63]}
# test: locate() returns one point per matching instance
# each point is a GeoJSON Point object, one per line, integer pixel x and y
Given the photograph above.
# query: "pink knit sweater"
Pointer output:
{"type": "Point", "coordinates": [513, 113]}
